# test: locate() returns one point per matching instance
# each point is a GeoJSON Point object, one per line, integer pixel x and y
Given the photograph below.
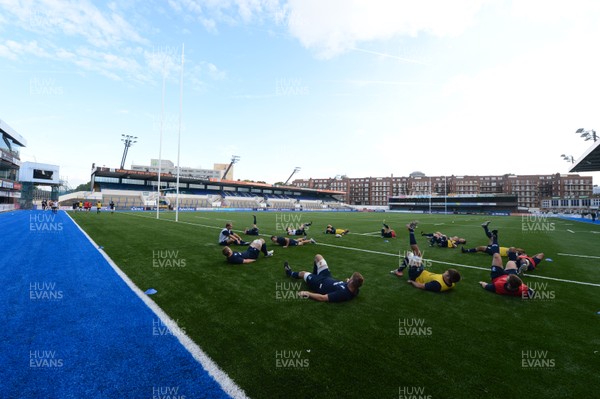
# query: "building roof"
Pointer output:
{"type": "Point", "coordinates": [17, 138]}
{"type": "Point", "coordinates": [589, 161]}
{"type": "Point", "coordinates": [169, 177]}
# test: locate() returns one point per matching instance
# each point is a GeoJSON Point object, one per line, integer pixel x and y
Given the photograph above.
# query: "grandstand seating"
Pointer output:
{"type": "Point", "coordinates": [127, 196]}
{"type": "Point", "coordinates": [281, 203]}
{"type": "Point", "coordinates": [336, 205]}
{"type": "Point", "coordinates": [311, 204]}
{"type": "Point", "coordinates": [193, 201]}
{"type": "Point", "coordinates": [242, 202]}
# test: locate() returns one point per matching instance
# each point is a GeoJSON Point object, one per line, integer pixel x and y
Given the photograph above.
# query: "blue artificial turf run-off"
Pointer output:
{"type": "Point", "coordinates": [73, 329]}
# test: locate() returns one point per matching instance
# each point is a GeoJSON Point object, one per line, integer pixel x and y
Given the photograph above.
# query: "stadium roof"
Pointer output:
{"type": "Point", "coordinates": [168, 177]}
{"type": "Point", "coordinates": [590, 161]}
{"type": "Point", "coordinates": [5, 128]}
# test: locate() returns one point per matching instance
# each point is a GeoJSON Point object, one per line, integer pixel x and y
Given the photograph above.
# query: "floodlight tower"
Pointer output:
{"type": "Point", "coordinates": [568, 158]}
{"type": "Point", "coordinates": [129, 141]}
{"type": "Point", "coordinates": [296, 169]}
{"type": "Point", "coordinates": [587, 134]}
{"type": "Point", "coordinates": [234, 159]}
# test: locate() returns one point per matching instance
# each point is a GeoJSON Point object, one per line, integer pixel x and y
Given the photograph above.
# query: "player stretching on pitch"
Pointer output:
{"type": "Point", "coordinates": [253, 231]}
{"type": "Point", "coordinates": [325, 287]}
{"type": "Point", "coordinates": [386, 232]}
{"type": "Point", "coordinates": [290, 242]}
{"type": "Point", "coordinates": [248, 256]}
{"type": "Point", "coordinates": [524, 262]}
{"type": "Point", "coordinates": [228, 237]}
{"type": "Point", "coordinates": [493, 239]}
{"type": "Point", "coordinates": [338, 232]}
{"type": "Point", "coordinates": [442, 240]}
{"type": "Point", "coordinates": [417, 275]}
{"type": "Point", "coordinates": [505, 280]}
{"type": "Point", "coordinates": [300, 231]}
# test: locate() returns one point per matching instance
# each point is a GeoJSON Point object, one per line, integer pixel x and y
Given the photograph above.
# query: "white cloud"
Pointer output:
{"type": "Point", "coordinates": [212, 12]}
{"type": "Point", "coordinates": [203, 73]}
{"type": "Point", "coordinates": [13, 50]}
{"type": "Point", "coordinates": [78, 18]}
{"type": "Point", "coordinates": [6, 52]}
{"type": "Point", "coordinates": [554, 11]}
{"type": "Point", "coordinates": [333, 27]}
{"type": "Point", "coordinates": [517, 116]}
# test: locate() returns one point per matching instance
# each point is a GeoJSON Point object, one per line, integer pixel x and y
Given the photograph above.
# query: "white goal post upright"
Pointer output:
{"type": "Point", "coordinates": [179, 134]}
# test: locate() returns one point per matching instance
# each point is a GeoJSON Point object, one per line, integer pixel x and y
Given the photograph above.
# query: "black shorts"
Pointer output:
{"type": "Point", "coordinates": [414, 272]}
{"type": "Point", "coordinates": [497, 271]}
{"type": "Point", "coordinates": [314, 280]}
{"type": "Point", "coordinates": [492, 249]}
{"type": "Point", "coordinates": [253, 253]}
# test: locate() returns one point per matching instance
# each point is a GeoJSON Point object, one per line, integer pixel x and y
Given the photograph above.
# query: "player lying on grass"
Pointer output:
{"type": "Point", "coordinates": [250, 255]}
{"type": "Point", "coordinates": [324, 287]}
{"type": "Point", "coordinates": [493, 238]}
{"type": "Point", "coordinates": [253, 231]}
{"type": "Point", "coordinates": [300, 231]}
{"type": "Point", "coordinates": [524, 262]}
{"type": "Point", "coordinates": [505, 280]}
{"type": "Point", "coordinates": [228, 237]}
{"type": "Point", "coordinates": [290, 242]}
{"type": "Point", "coordinates": [386, 232]}
{"type": "Point", "coordinates": [338, 232]}
{"type": "Point", "coordinates": [442, 240]}
{"type": "Point", "coordinates": [417, 275]}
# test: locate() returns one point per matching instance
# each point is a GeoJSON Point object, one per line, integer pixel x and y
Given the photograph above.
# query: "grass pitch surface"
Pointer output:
{"type": "Point", "coordinates": [391, 341]}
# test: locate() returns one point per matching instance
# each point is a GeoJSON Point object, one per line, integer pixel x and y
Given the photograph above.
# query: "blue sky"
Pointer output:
{"type": "Point", "coordinates": [362, 88]}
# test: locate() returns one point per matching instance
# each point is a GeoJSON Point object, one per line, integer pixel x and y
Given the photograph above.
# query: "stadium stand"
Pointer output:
{"type": "Point", "coordinates": [137, 189]}
{"type": "Point", "coordinates": [233, 201]}
{"type": "Point", "coordinates": [281, 203]}
{"type": "Point", "coordinates": [336, 205]}
{"type": "Point", "coordinates": [311, 204]}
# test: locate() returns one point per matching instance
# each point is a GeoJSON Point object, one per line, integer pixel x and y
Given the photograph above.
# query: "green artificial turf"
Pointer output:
{"type": "Point", "coordinates": [393, 340]}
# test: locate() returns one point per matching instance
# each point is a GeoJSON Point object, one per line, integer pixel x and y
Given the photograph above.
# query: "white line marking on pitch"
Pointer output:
{"type": "Point", "coordinates": [203, 217]}
{"type": "Point", "coordinates": [226, 383]}
{"type": "Point", "coordinates": [571, 231]}
{"type": "Point", "coordinates": [395, 255]}
{"type": "Point", "coordinates": [580, 256]}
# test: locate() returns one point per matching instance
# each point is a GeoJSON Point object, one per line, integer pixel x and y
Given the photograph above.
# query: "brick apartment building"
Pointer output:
{"type": "Point", "coordinates": [530, 190]}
